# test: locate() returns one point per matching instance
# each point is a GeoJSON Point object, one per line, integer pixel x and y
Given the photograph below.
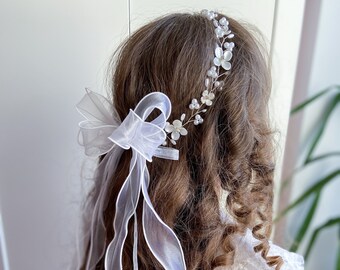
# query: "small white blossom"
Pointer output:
{"type": "Point", "coordinates": [207, 97]}
{"type": "Point", "coordinates": [224, 22]}
{"type": "Point", "coordinates": [222, 58]}
{"type": "Point", "coordinates": [229, 45]}
{"type": "Point", "coordinates": [176, 129]}
{"type": "Point", "coordinates": [220, 32]}
{"type": "Point", "coordinates": [212, 72]}
{"type": "Point", "coordinates": [222, 27]}
{"type": "Point", "coordinates": [209, 14]}
{"type": "Point", "coordinates": [198, 119]}
{"type": "Point", "coordinates": [194, 104]}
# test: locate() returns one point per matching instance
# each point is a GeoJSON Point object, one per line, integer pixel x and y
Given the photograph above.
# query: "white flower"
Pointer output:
{"type": "Point", "coordinates": [222, 27]}
{"type": "Point", "coordinates": [224, 22]}
{"type": "Point", "coordinates": [198, 119]}
{"type": "Point", "coordinates": [229, 45]}
{"type": "Point", "coordinates": [220, 32]}
{"type": "Point", "coordinates": [176, 129]}
{"type": "Point", "coordinates": [207, 97]}
{"type": "Point", "coordinates": [194, 104]}
{"type": "Point", "coordinates": [209, 14]}
{"type": "Point", "coordinates": [212, 72]}
{"type": "Point", "coordinates": [222, 58]}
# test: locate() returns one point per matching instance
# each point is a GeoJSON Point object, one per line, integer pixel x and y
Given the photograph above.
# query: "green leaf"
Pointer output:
{"type": "Point", "coordinates": [302, 105]}
{"type": "Point", "coordinates": [316, 232]}
{"type": "Point", "coordinates": [305, 225]}
{"type": "Point", "coordinates": [286, 181]}
{"type": "Point", "coordinates": [327, 155]}
{"type": "Point", "coordinates": [317, 187]}
{"type": "Point", "coordinates": [323, 123]}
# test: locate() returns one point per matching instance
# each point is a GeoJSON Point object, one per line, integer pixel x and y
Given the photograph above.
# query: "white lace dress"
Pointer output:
{"type": "Point", "coordinates": [247, 259]}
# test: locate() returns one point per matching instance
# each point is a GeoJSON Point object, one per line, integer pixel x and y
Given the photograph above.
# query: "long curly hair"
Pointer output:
{"type": "Point", "coordinates": [231, 151]}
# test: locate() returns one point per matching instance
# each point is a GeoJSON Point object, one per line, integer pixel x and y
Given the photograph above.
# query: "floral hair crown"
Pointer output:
{"type": "Point", "coordinates": [220, 66]}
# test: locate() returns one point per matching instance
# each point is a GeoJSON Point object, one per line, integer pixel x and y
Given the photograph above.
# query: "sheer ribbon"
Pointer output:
{"type": "Point", "coordinates": [103, 132]}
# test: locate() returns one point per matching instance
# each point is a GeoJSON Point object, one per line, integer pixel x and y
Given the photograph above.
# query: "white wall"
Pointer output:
{"type": "Point", "coordinates": [50, 50]}
{"type": "Point", "coordinates": [319, 68]}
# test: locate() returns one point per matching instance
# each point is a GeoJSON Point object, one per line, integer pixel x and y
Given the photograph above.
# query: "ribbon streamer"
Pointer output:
{"type": "Point", "coordinates": [103, 132]}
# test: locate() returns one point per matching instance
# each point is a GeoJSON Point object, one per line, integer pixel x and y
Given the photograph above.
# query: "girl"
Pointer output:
{"type": "Point", "coordinates": [204, 199]}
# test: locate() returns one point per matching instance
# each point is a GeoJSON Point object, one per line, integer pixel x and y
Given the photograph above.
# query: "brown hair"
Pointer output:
{"type": "Point", "coordinates": [231, 150]}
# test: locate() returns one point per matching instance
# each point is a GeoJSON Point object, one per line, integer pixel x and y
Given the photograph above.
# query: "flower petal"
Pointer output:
{"type": "Point", "coordinates": [223, 21]}
{"type": "Point", "coordinates": [169, 128]}
{"type": "Point", "coordinates": [177, 123]}
{"type": "Point", "coordinates": [226, 65]}
{"type": "Point", "coordinates": [219, 32]}
{"type": "Point", "coordinates": [219, 52]}
{"type": "Point", "coordinates": [175, 135]}
{"type": "Point", "coordinates": [211, 95]}
{"type": "Point", "coordinates": [205, 93]}
{"type": "Point", "coordinates": [183, 131]}
{"type": "Point", "coordinates": [227, 55]}
{"type": "Point", "coordinates": [217, 62]}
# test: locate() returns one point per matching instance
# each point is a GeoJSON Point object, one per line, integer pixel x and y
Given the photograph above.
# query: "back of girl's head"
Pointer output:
{"type": "Point", "coordinates": [231, 150]}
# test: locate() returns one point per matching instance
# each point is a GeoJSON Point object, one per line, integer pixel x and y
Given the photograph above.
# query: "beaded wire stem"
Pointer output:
{"type": "Point", "coordinates": [223, 54]}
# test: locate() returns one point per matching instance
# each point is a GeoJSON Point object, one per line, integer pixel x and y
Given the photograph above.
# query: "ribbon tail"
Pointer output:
{"type": "Point", "coordinates": [126, 204]}
{"type": "Point", "coordinates": [97, 205]}
{"type": "Point", "coordinates": [135, 243]}
{"type": "Point", "coordinates": [160, 238]}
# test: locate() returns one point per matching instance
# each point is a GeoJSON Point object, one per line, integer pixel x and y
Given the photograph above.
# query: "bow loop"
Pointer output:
{"type": "Point", "coordinates": [101, 119]}
{"type": "Point", "coordinates": [103, 129]}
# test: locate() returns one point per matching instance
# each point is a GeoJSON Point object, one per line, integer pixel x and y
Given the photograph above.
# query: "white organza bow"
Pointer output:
{"type": "Point", "coordinates": [103, 132]}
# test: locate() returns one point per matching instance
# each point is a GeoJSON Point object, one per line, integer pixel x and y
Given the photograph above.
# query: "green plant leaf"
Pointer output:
{"type": "Point", "coordinates": [329, 223]}
{"type": "Point", "coordinates": [323, 122]}
{"type": "Point", "coordinates": [305, 225]}
{"type": "Point", "coordinates": [317, 187]}
{"type": "Point", "coordinates": [302, 105]}
{"type": "Point", "coordinates": [286, 181]}
{"type": "Point", "coordinates": [327, 155]}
